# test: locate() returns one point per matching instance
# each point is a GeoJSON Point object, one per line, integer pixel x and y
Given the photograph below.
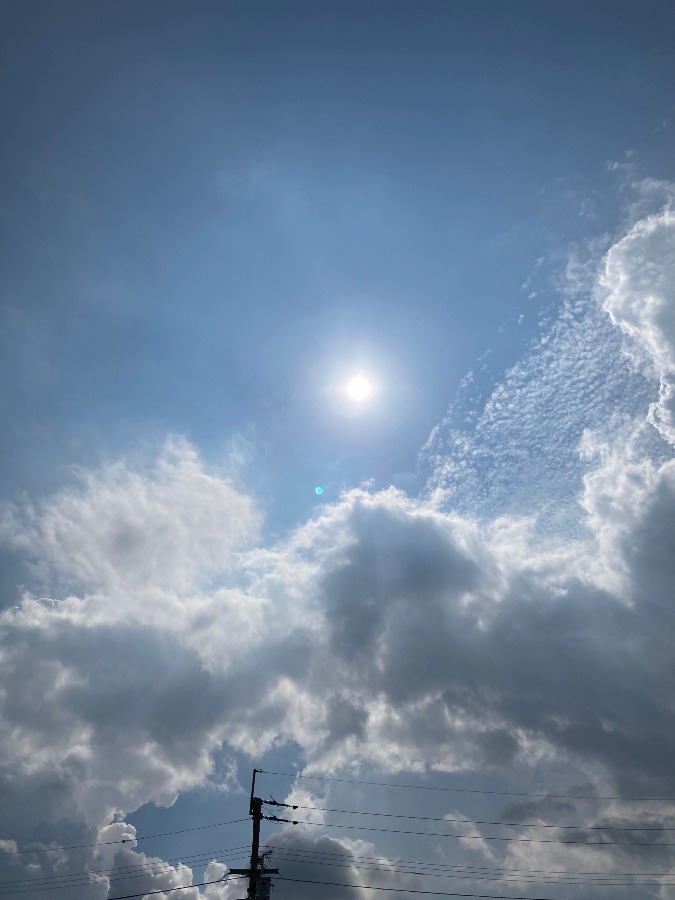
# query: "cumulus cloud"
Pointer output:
{"type": "Point", "coordinates": [121, 529]}
{"type": "Point", "coordinates": [469, 656]}
{"type": "Point", "coordinates": [396, 632]}
{"type": "Point", "coordinates": [136, 873]}
{"type": "Point", "coordinates": [639, 279]}
{"type": "Point", "coordinates": [303, 859]}
{"type": "Point", "coordinates": [421, 637]}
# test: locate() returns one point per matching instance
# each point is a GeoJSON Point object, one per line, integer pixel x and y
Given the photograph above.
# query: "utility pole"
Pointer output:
{"type": "Point", "coordinates": [256, 871]}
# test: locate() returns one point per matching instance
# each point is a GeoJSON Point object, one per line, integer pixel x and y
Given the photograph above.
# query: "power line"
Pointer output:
{"type": "Point", "coordinates": [182, 888]}
{"type": "Point", "coordinates": [169, 861]}
{"type": "Point", "coordinates": [69, 880]}
{"type": "Point", "coordinates": [448, 869]}
{"type": "Point", "coordinates": [428, 787]}
{"type": "Point", "coordinates": [320, 854]}
{"type": "Point", "coordinates": [129, 840]}
{"type": "Point", "coordinates": [475, 837]}
{"type": "Point", "coordinates": [360, 812]}
{"type": "Point", "coordinates": [507, 877]}
{"type": "Point", "coordinates": [466, 872]}
{"type": "Point", "coordinates": [369, 887]}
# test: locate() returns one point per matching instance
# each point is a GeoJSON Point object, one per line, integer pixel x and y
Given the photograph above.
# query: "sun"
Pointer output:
{"type": "Point", "coordinates": [359, 388]}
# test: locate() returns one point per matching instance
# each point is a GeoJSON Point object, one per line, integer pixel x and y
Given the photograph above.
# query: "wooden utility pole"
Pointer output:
{"type": "Point", "coordinates": [256, 870]}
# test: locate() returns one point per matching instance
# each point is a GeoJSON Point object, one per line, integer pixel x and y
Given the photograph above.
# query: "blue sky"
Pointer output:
{"type": "Point", "coordinates": [213, 216]}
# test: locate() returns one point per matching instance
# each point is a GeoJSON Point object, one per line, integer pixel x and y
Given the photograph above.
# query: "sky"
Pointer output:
{"type": "Point", "coordinates": [437, 613]}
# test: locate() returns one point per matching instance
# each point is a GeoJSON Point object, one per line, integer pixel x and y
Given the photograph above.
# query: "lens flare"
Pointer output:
{"type": "Point", "coordinates": [318, 490]}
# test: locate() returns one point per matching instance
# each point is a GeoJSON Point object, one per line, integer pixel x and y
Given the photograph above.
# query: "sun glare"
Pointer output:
{"type": "Point", "coordinates": [359, 388]}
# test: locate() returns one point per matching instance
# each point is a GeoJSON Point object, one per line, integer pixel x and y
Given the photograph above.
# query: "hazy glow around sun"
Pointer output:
{"type": "Point", "coordinates": [359, 388]}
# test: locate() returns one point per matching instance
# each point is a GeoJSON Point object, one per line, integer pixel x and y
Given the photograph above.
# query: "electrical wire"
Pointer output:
{"type": "Point", "coordinates": [73, 879]}
{"type": "Point", "coordinates": [129, 840]}
{"type": "Point", "coordinates": [360, 812]}
{"type": "Point", "coordinates": [474, 837]}
{"type": "Point", "coordinates": [446, 870]}
{"type": "Point", "coordinates": [477, 872]}
{"type": "Point", "coordinates": [223, 851]}
{"type": "Point", "coordinates": [506, 876]}
{"type": "Point", "coordinates": [369, 887]}
{"type": "Point", "coordinates": [320, 855]}
{"type": "Point", "coordinates": [69, 880]}
{"type": "Point", "coordinates": [142, 894]}
{"type": "Point", "coordinates": [428, 787]}
{"type": "Point", "coordinates": [182, 888]}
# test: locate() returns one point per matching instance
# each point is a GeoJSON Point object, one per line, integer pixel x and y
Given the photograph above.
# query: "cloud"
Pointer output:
{"type": "Point", "coordinates": [471, 838]}
{"type": "Point", "coordinates": [519, 454]}
{"type": "Point", "coordinates": [639, 279]}
{"type": "Point", "coordinates": [397, 632]}
{"type": "Point", "coordinates": [598, 866]}
{"type": "Point", "coordinates": [419, 640]}
{"type": "Point", "coordinates": [172, 527]}
{"type": "Point", "coordinates": [134, 873]}
{"type": "Point", "coordinates": [304, 857]}
{"type": "Point", "coordinates": [488, 656]}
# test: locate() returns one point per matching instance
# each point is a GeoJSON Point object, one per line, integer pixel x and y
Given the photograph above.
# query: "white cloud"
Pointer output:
{"type": "Point", "coordinates": [395, 632]}
{"type": "Point", "coordinates": [133, 873]}
{"type": "Point", "coordinates": [305, 858]}
{"type": "Point", "coordinates": [471, 838]}
{"type": "Point", "coordinates": [520, 455]}
{"type": "Point", "coordinates": [121, 529]}
{"type": "Point", "coordinates": [639, 278]}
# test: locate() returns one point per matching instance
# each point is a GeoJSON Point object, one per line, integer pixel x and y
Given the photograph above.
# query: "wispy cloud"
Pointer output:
{"type": "Point", "coordinates": [520, 453]}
